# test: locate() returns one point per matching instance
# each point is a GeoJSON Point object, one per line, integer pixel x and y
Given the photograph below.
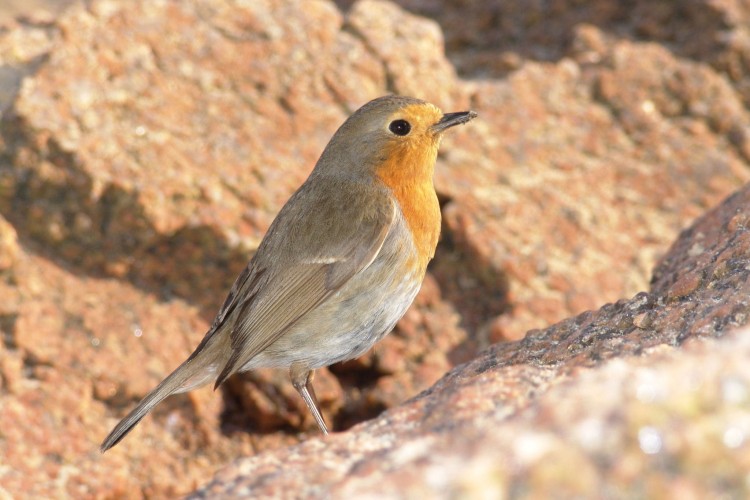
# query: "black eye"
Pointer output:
{"type": "Point", "coordinates": [399, 127]}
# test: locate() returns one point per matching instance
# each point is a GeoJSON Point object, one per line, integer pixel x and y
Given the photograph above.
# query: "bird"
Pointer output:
{"type": "Point", "coordinates": [339, 265]}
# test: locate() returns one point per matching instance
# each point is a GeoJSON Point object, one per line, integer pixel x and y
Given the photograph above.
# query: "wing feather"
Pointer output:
{"type": "Point", "coordinates": [303, 274]}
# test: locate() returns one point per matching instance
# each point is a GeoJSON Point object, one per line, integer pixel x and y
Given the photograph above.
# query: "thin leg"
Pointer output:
{"type": "Point", "coordinates": [302, 381]}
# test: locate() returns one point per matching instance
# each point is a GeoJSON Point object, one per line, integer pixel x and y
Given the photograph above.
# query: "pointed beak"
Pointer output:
{"type": "Point", "coordinates": [450, 119]}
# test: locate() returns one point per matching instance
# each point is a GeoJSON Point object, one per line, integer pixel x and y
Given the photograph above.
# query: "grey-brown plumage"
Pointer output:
{"type": "Point", "coordinates": [338, 267]}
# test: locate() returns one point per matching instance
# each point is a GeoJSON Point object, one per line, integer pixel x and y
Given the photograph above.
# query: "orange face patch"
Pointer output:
{"type": "Point", "coordinates": [408, 169]}
{"type": "Point", "coordinates": [412, 157]}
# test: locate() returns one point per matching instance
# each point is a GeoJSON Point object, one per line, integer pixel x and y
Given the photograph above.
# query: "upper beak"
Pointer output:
{"type": "Point", "coordinates": [450, 119]}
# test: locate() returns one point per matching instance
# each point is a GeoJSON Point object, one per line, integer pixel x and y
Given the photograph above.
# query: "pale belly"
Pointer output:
{"type": "Point", "coordinates": [344, 327]}
{"type": "Point", "coordinates": [352, 320]}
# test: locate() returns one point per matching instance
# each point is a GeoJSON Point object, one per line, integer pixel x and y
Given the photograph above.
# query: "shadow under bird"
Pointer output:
{"type": "Point", "coordinates": [340, 264]}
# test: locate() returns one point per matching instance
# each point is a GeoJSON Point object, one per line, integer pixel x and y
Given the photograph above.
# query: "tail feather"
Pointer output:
{"type": "Point", "coordinates": [186, 377]}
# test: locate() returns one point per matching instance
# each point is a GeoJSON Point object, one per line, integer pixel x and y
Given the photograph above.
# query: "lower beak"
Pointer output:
{"type": "Point", "coordinates": [450, 119]}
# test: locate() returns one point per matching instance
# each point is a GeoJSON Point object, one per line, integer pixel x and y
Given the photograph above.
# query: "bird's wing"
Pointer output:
{"type": "Point", "coordinates": [291, 275]}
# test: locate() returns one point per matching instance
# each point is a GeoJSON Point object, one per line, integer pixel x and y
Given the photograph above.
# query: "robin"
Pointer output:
{"type": "Point", "coordinates": [340, 264]}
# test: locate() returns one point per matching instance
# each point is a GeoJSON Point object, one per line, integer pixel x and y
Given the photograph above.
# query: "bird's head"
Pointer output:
{"type": "Point", "coordinates": [395, 138]}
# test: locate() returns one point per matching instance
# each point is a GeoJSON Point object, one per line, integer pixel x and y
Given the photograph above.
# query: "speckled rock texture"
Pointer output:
{"type": "Point", "coordinates": [145, 147]}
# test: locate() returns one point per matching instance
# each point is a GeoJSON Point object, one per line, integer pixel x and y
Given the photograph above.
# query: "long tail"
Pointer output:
{"type": "Point", "coordinates": [191, 374]}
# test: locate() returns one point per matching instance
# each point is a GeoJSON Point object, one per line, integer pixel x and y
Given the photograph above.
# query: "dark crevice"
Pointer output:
{"type": "Point", "coordinates": [8, 331]}
{"type": "Point", "coordinates": [32, 365]}
{"type": "Point", "coordinates": [257, 405]}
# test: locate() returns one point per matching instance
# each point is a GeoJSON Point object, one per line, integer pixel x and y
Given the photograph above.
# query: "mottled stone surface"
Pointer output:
{"type": "Point", "coordinates": [668, 424]}
{"type": "Point", "coordinates": [601, 165]}
{"type": "Point", "coordinates": [145, 147]}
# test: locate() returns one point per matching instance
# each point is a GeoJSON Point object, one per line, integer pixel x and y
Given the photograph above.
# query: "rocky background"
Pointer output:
{"type": "Point", "coordinates": [146, 146]}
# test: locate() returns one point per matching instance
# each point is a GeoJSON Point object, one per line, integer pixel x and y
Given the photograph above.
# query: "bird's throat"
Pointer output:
{"type": "Point", "coordinates": [421, 210]}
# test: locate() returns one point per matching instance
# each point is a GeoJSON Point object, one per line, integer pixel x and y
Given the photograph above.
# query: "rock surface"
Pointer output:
{"type": "Point", "coordinates": [146, 146]}
{"type": "Point", "coordinates": [664, 425]}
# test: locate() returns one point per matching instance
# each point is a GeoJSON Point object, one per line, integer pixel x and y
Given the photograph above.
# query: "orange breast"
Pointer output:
{"type": "Point", "coordinates": [408, 174]}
